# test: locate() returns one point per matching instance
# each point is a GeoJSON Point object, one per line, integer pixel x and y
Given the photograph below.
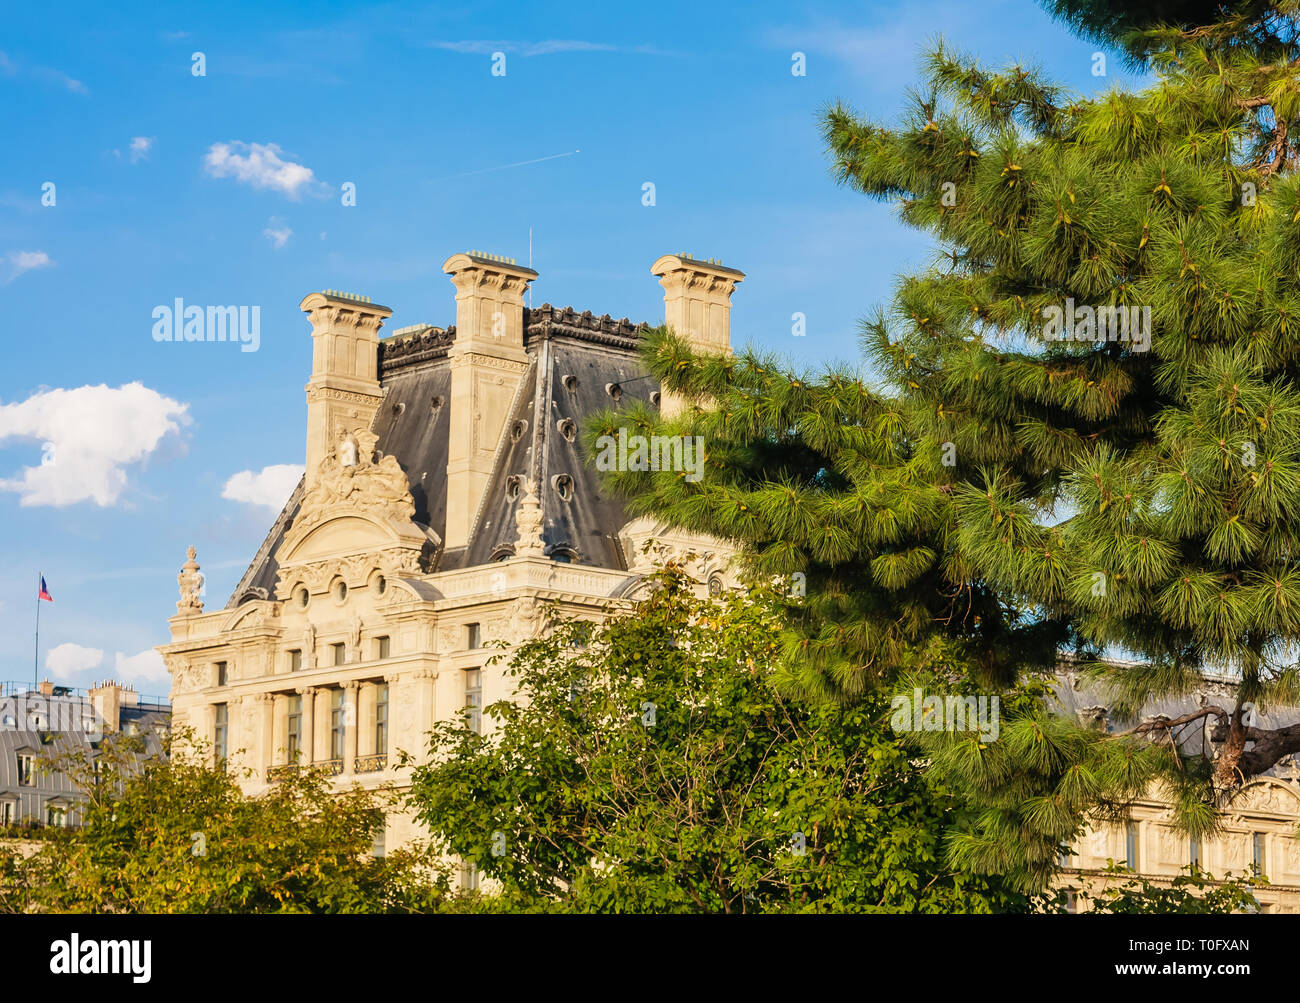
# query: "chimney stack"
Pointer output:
{"type": "Point", "coordinates": [488, 362]}
{"type": "Point", "coordinates": [106, 698]}
{"type": "Point", "coordinates": [343, 394]}
{"type": "Point", "coordinates": [697, 307]}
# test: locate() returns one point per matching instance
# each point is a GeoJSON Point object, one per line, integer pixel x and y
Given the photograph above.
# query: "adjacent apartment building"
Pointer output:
{"type": "Point", "coordinates": [41, 726]}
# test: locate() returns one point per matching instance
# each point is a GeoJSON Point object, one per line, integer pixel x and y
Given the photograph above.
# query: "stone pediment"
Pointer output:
{"type": "Point", "coordinates": [1268, 796]}
{"type": "Point", "coordinates": [356, 515]}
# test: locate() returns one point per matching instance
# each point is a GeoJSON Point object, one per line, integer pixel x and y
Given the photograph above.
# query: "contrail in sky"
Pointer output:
{"type": "Point", "coordinates": [522, 163]}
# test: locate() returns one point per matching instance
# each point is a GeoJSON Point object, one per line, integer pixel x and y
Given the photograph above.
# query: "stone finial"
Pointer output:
{"type": "Point", "coordinates": [528, 520]}
{"type": "Point", "coordinates": [191, 584]}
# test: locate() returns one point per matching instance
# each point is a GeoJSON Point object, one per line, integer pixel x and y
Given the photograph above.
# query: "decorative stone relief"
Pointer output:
{"type": "Point", "coordinates": [526, 620]}
{"type": "Point", "coordinates": [352, 477]}
{"type": "Point", "coordinates": [528, 522]}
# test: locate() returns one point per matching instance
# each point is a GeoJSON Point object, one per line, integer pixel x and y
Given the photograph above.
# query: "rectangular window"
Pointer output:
{"type": "Point", "coordinates": [26, 770]}
{"type": "Point", "coordinates": [336, 723]}
{"type": "Point", "coordinates": [340, 653]}
{"type": "Point", "coordinates": [379, 848]}
{"type": "Point", "coordinates": [6, 813]}
{"type": "Point", "coordinates": [295, 660]}
{"type": "Point", "coordinates": [382, 647]}
{"type": "Point", "coordinates": [1257, 850]}
{"type": "Point", "coordinates": [56, 815]}
{"type": "Point", "coordinates": [221, 674]}
{"type": "Point", "coordinates": [1131, 846]}
{"type": "Point", "coordinates": [1063, 858]}
{"type": "Point", "coordinates": [474, 699]}
{"type": "Point", "coordinates": [1194, 851]}
{"type": "Point", "coordinates": [294, 734]}
{"type": "Point", "coordinates": [468, 877]}
{"type": "Point", "coordinates": [221, 733]}
{"type": "Point", "coordinates": [381, 719]}
{"type": "Point", "coordinates": [473, 637]}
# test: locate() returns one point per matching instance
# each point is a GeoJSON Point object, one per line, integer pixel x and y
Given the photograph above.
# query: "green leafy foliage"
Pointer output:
{"type": "Point", "coordinates": [174, 835]}
{"type": "Point", "coordinates": [651, 764]}
{"type": "Point", "coordinates": [1016, 494]}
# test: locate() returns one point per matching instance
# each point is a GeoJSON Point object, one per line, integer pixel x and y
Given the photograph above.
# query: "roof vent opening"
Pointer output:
{"type": "Point", "coordinates": [563, 485]}
{"type": "Point", "coordinates": [570, 383]}
{"type": "Point", "coordinates": [654, 397]}
{"type": "Point", "coordinates": [436, 404]}
{"type": "Point", "coordinates": [568, 428]}
{"type": "Point", "coordinates": [518, 429]}
{"type": "Point", "coordinates": [614, 390]}
{"type": "Point", "coordinates": [512, 486]}
{"type": "Point", "coordinates": [398, 408]}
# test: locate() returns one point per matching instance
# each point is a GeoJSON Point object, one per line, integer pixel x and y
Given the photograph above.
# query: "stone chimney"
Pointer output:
{"type": "Point", "coordinates": [45, 688]}
{"type": "Point", "coordinates": [487, 362]}
{"type": "Point", "coordinates": [343, 394]}
{"type": "Point", "coordinates": [697, 307]}
{"type": "Point", "coordinates": [106, 698]}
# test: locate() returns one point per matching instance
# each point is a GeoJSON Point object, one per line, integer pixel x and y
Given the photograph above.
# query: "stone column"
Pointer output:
{"type": "Point", "coordinates": [266, 706]}
{"type": "Point", "coordinates": [279, 729]}
{"type": "Point", "coordinates": [366, 719]}
{"type": "Point", "coordinates": [349, 726]}
{"type": "Point", "coordinates": [308, 738]}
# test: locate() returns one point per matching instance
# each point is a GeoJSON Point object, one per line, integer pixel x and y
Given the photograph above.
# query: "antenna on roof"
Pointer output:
{"type": "Point", "coordinates": [530, 265]}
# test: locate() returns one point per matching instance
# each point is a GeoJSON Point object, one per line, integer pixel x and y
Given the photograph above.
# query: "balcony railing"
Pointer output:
{"type": "Point", "coordinates": [329, 767]}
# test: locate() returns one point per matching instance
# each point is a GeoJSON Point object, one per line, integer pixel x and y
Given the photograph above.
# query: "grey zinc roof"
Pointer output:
{"type": "Point", "coordinates": [412, 426]}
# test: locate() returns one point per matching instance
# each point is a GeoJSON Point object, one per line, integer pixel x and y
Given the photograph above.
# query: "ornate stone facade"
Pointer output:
{"type": "Point", "coordinates": [426, 527]}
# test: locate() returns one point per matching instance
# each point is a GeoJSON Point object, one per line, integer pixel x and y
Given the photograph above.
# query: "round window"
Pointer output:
{"type": "Point", "coordinates": [302, 596]}
{"type": "Point", "coordinates": [341, 591]}
{"type": "Point", "coordinates": [381, 584]}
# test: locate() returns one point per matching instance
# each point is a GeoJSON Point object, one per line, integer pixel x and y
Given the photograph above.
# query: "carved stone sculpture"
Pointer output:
{"type": "Point", "coordinates": [191, 586]}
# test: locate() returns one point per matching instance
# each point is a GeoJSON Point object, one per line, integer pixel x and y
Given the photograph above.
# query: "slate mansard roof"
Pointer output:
{"type": "Point", "coordinates": [575, 359]}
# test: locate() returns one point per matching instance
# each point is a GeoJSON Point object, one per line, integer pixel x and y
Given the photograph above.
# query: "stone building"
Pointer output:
{"type": "Point", "coordinates": [445, 503]}
{"type": "Point", "coordinates": [1259, 830]}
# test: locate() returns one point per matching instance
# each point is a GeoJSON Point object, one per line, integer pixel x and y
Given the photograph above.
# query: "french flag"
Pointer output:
{"type": "Point", "coordinates": [44, 593]}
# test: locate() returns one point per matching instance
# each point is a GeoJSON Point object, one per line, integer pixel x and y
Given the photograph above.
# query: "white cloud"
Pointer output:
{"type": "Point", "coordinates": [60, 78]}
{"type": "Point", "coordinates": [277, 232]}
{"type": "Point", "coordinates": [145, 668]}
{"type": "Point", "coordinates": [25, 261]}
{"type": "Point", "coordinates": [67, 659]}
{"type": "Point", "coordinates": [271, 486]}
{"type": "Point", "coordinates": [9, 68]}
{"type": "Point", "coordinates": [87, 435]}
{"type": "Point", "coordinates": [140, 147]}
{"type": "Point", "coordinates": [261, 166]}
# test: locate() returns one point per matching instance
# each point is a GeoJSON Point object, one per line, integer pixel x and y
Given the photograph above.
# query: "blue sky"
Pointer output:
{"type": "Point", "coordinates": [226, 189]}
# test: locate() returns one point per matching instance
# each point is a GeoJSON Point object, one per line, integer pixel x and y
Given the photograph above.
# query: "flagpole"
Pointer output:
{"type": "Point", "coordinates": [36, 655]}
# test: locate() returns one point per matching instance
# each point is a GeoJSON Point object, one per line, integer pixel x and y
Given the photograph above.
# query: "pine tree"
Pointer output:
{"type": "Point", "coordinates": [1086, 427]}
